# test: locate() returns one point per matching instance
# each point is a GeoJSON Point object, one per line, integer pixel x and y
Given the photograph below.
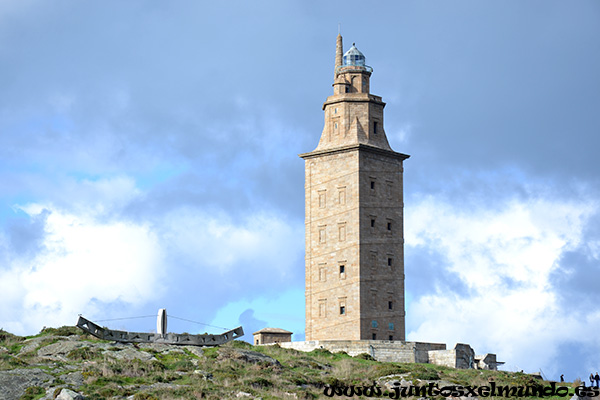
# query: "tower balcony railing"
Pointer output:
{"type": "Point", "coordinates": [344, 68]}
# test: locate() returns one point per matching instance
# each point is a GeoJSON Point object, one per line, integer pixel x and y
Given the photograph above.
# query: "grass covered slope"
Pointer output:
{"type": "Point", "coordinates": [42, 366]}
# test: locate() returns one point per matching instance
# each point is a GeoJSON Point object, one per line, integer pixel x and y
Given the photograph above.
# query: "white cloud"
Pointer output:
{"type": "Point", "coordinates": [83, 262]}
{"type": "Point", "coordinates": [261, 244]}
{"type": "Point", "coordinates": [505, 258]}
{"type": "Point", "coordinates": [90, 258]}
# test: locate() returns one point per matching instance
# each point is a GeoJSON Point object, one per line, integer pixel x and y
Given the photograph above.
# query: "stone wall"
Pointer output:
{"type": "Point", "coordinates": [381, 350]}
{"type": "Point", "coordinates": [461, 356]}
{"type": "Point", "coordinates": [272, 337]}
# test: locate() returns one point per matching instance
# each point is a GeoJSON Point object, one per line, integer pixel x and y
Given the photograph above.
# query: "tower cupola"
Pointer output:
{"type": "Point", "coordinates": [354, 57]}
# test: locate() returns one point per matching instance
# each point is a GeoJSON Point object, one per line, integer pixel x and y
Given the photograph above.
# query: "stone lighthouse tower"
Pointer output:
{"type": "Point", "coordinates": [354, 215]}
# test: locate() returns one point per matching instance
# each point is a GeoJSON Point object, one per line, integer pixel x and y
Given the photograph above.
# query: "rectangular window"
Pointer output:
{"type": "Point", "coordinates": [391, 337]}
{"type": "Point", "coordinates": [322, 274]}
{"type": "Point", "coordinates": [375, 127]}
{"type": "Point", "coordinates": [372, 223]}
{"type": "Point", "coordinates": [322, 199]}
{"type": "Point", "coordinates": [374, 336]}
{"type": "Point", "coordinates": [391, 326]}
{"type": "Point", "coordinates": [342, 304]}
{"type": "Point", "coordinates": [389, 226]}
{"type": "Point", "coordinates": [342, 196]}
{"type": "Point", "coordinates": [342, 232]}
{"type": "Point", "coordinates": [373, 324]}
{"type": "Point", "coordinates": [389, 261]}
{"type": "Point", "coordinates": [390, 305]}
{"type": "Point", "coordinates": [372, 185]}
{"type": "Point", "coordinates": [323, 308]}
{"type": "Point", "coordinates": [342, 269]}
{"type": "Point", "coordinates": [322, 235]}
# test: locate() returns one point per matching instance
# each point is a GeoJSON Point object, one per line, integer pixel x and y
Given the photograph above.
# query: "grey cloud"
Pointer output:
{"type": "Point", "coordinates": [26, 234]}
{"type": "Point", "coordinates": [426, 273]}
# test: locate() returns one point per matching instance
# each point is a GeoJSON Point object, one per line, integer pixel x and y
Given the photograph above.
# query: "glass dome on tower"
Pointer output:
{"type": "Point", "coordinates": [354, 57]}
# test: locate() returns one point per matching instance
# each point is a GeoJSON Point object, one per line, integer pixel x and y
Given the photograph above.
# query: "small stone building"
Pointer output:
{"type": "Point", "coordinates": [272, 335]}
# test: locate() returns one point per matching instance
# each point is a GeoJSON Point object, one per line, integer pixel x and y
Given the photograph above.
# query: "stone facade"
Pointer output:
{"type": "Point", "coordinates": [462, 356]}
{"type": "Point", "coordinates": [271, 336]}
{"type": "Point", "coordinates": [354, 233]}
{"type": "Point", "coordinates": [354, 216]}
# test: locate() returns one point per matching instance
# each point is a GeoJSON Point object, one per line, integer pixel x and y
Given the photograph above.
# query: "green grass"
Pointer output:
{"type": "Point", "coordinates": [33, 393]}
{"type": "Point", "coordinates": [218, 375]}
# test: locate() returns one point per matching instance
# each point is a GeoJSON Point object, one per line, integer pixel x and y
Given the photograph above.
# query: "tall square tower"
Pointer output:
{"type": "Point", "coordinates": [354, 216]}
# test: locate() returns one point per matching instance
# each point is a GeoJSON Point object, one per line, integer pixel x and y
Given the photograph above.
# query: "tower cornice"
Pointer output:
{"type": "Point", "coordinates": [355, 147]}
{"type": "Point", "coordinates": [353, 97]}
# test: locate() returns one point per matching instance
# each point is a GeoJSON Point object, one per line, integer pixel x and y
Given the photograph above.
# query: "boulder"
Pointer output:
{"type": "Point", "coordinates": [130, 354]}
{"type": "Point", "coordinates": [60, 350]}
{"type": "Point", "coordinates": [74, 379]}
{"type": "Point", "coordinates": [68, 394]}
{"type": "Point", "coordinates": [248, 356]}
{"type": "Point", "coordinates": [14, 383]}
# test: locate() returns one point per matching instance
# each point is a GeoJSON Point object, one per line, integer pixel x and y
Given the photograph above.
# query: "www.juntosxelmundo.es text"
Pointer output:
{"type": "Point", "coordinates": [433, 389]}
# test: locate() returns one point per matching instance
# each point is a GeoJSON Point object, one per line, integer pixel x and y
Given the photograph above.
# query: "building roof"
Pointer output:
{"type": "Point", "coordinates": [272, 330]}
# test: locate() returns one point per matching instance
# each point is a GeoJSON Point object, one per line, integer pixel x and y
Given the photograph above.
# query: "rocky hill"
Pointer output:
{"type": "Point", "coordinates": [65, 364]}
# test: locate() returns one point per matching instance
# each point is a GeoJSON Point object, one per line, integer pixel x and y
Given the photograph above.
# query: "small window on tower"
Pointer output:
{"type": "Point", "coordinates": [347, 89]}
{"type": "Point", "coordinates": [389, 226]}
{"type": "Point", "coordinates": [372, 185]}
{"type": "Point", "coordinates": [342, 195]}
{"type": "Point", "coordinates": [391, 326]}
{"type": "Point", "coordinates": [372, 223]}
{"type": "Point", "coordinates": [374, 336]}
{"type": "Point", "coordinates": [322, 199]}
{"type": "Point", "coordinates": [390, 305]}
{"type": "Point", "coordinates": [342, 269]}
{"type": "Point", "coordinates": [342, 232]}
{"type": "Point", "coordinates": [375, 127]}
{"type": "Point", "coordinates": [342, 310]}
{"type": "Point", "coordinates": [322, 308]}
{"type": "Point", "coordinates": [391, 337]}
{"type": "Point", "coordinates": [322, 274]}
{"type": "Point", "coordinates": [374, 324]}
{"type": "Point", "coordinates": [390, 261]}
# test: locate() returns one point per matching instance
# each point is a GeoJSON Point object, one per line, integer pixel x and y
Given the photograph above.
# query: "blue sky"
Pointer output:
{"type": "Point", "coordinates": [148, 159]}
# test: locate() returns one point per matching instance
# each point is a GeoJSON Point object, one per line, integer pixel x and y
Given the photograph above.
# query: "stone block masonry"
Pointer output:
{"type": "Point", "coordinates": [461, 356]}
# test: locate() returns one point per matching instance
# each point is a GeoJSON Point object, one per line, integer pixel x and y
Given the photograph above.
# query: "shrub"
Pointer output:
{"type": "Point", "coordinates": [427, 375]}
{"type": "Point", "coordinates": [83, 353]}
{"type": "Point", "coordinates": [144, 396]}
{"type": "Point", "coordinates": [259, 383]}
{"type": "Point", "coordinates": [364, 356]}
{"type": "Point", "coordinates": [33, 392]}
{"type": "Point", "coordinates": [9, 337]}
{"type": "Point", "coordinates": [320, 352]}
{"type": "Point", "coordinates": [62, 331]}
